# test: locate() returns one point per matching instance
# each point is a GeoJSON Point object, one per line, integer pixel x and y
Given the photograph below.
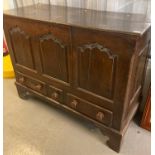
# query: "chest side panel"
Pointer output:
{"type": "Point", "coordinates": [136, 78]}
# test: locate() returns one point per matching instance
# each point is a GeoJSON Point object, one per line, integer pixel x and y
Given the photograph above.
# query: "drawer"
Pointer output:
{"type": "Point", "coordinates": [31, 83]}
{"type": "Point", "coordinates": [55, 93]}
{"type": "Point", "coordinates": [95, 112]}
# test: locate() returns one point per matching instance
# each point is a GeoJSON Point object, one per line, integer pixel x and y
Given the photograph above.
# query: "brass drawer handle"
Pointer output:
{"type": "Point", "coordinates": [21, 79]}
{"type": "Point", "coordinates": [100, 116]}
{"type": "Point", "coordinates": [55, 95]}
{"type": "Point", "coordinates": [74, 104]}
{"type": "Point", "coordinates": [38, 87]}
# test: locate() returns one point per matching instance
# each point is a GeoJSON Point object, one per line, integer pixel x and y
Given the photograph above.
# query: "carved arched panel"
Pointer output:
{"type": "Point", "coordinates": [22, 48]}
{"type": "Point", "coordinates": [96, 69]}
{"type": "Point", "coordinates": [54, 57]}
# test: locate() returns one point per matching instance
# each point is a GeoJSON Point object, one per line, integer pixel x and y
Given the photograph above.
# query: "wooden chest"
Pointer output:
{"type": "Point", "coordinates": [90, 63]}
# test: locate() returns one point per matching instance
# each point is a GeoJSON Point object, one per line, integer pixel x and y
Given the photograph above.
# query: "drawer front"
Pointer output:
{"type": "Point", "coordinates": [31, 83]}
{"type": "Point", "coordinates": [99, 114]}
{"type": "Point", "coordinates": [55, 93]}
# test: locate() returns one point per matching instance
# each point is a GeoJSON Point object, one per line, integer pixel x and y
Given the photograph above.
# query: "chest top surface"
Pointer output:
{"type": "Point", "coordinates": [127, 23]}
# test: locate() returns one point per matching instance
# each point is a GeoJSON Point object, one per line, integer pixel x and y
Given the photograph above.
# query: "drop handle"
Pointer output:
{"type": "Point", "coordinates": [21, 79]}
{"type": "Point", "coordinates": [100, 116]}
{"type": "Point", "coordinates": [74, 104]}
{"type": "Point", "coordinates": [55, 95]}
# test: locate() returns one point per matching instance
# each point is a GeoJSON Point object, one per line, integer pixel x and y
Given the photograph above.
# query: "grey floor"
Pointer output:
{"type": "Point", "coordinates": [32, 127]}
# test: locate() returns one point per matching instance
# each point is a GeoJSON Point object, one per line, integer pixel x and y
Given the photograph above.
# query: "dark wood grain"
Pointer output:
{"type": "Point", "coordinates": [89, 63]}
{"type": "Point", "coordinates": [110, 21]}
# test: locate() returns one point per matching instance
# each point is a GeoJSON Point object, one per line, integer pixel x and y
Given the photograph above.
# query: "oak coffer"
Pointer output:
{"type": "Point", "coordinates": [90, 63]}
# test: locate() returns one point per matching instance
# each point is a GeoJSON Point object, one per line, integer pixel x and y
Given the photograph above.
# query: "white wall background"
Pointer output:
{"type": "Point", "coordinates": [135, 6]}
